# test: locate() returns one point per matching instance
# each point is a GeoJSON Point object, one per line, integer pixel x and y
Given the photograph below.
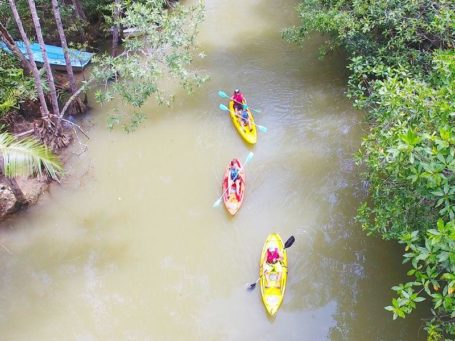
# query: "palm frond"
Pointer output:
{"type": "Point", "coordinates": [27, 157]}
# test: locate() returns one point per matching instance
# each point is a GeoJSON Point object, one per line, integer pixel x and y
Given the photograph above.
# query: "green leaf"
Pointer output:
{"type": "Point", "coordinates": [27, 157]}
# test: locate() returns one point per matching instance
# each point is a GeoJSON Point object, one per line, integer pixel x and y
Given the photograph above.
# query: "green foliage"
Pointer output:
{"type": "Point", "coordinates": [157, 57]}
{"type": "Point", "coordinates": [402, 67]}
{"type": "Point", "coordinates": [385, 38]}
{"type": "Point", "coordinates": [27, 157]}
{"type": "Point", "coordinates": [160, 52]}
{"type": "Point", "coordinates": [14, 85]}
{"type": "Point", "coordinates": [409, 157]}
{"type": "Point", "coordinates": [96, 9]}
{"type": "Point", "coordinates": [409, 152]}
{"type": "Point", "coordinates": [74, 27]}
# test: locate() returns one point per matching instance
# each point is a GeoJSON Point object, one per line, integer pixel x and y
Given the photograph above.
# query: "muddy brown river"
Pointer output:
{"type": "Point", "coordinates": [129, 247]}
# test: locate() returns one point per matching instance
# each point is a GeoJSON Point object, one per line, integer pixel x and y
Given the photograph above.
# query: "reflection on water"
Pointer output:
{"type": "Point", "coordinates": [129, 247]}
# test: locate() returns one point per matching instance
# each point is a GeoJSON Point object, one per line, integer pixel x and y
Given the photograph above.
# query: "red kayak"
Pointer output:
{"type": "Point", "coordinates": [233, 196]}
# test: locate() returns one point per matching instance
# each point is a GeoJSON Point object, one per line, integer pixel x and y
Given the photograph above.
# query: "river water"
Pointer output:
{"type": "Point", "coordinates": [130, 248]}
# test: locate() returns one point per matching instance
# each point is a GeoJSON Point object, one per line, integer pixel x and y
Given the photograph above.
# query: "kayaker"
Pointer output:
{"type": "Point", "coordinates": [246, 118]}
{"type": "Point", "coordinates": [273, 255]}
{"type": "Point", "coordinates": [234, 178]}
{"type": "Point", "coordinates": [273, 264]}
{"type": "Point", "coordinates": [238, 99]}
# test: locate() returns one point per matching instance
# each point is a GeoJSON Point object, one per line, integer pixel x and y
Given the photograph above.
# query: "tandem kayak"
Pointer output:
{"type": "Point", "coordinates": [232, 201]}
{"type": "Point", "coordinates": [273, 276]}
{"type": "Point", "coordinates": [248, 135]}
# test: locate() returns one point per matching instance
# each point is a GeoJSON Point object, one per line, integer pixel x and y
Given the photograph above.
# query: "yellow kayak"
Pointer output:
{"type": "Point", "coordinates": [273, 276]}
{"type": "Point", "coordinates": [249, 135]}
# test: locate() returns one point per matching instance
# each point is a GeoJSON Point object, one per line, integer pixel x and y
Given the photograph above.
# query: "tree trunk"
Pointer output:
{"type": "Point", "coordinates": [116, 28]}
{"type": "Point", "coordinates": [61, 33]}
{"type": "Point", "coordinates": [21, 201]}
{"type": "Point", "coordinates": [50, 76]}
{"type": "Point", "coordinates": [79, 11]}
{"type": "Point", "coordinates": [79, 105]}
{"type": "Point", "coordinates": [9, 41]}
{"type": "Point", "coordinates": [36, 76]}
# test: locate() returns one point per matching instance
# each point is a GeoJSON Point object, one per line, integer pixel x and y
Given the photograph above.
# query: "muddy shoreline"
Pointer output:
{"type": "Point", "coordinates": [34, 187]}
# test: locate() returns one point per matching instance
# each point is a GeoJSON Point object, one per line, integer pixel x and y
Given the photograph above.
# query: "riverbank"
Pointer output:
{"type": "Point", "coordinates": [31, 188]}
{"type": "Point", "coordinates": [26, 122]}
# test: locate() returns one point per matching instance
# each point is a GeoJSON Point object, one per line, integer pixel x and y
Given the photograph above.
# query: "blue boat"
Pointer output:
{"type": "Point", "coordinates": [79, 59]}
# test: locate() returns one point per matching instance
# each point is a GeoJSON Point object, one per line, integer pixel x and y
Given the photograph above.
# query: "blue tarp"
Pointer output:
{"type": "Point", "coordinates": [79, 59]}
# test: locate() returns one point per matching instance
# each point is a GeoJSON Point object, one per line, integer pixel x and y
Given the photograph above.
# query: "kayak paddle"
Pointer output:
{"type": "Point", "coordinates": [287, 245]}
{"type": "Point", "coordinates": [248, 159]}
{"type": "Point", "coordinates": [224, 95]}
{"type": "Point", "coordinates": [261, 128]}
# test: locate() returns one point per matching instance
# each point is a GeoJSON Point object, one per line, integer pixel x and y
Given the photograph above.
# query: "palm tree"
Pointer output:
{"type": "Point", "coordinates": [25, 157]}
{"type": "Point", "coordinates": [36, 76]}
{"type": "Point", "coordinates": [61, 33]}
{"type": "Point", "coordinates": [47, 66]}
{"type": "Point", "coordinates": [79, 106]}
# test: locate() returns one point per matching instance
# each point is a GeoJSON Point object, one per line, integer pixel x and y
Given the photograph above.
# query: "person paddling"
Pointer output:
{"type": "Point", "coordinates": [246, 118]}
{"type": "Point", "coordinates": [273, 263]}
{"type": "Point", "coordinates": [234, 179]}
{"type": "Point", "coordinates": [273, 255]}
{"type": "Point", "coordinates": [240, 108]}
{"type": "Point", "coordinates": [238, 99]}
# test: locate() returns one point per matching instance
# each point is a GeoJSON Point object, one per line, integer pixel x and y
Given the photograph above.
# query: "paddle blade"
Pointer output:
{"type": "Point", "coordinates": [289, 242]}
{"type": "Point", "coordinates": [223, 107]}
{"type": "Point", "coordinates": [249, 157]}
{"type": "Point", "coordinates": [256, 110]}
{"type": "Point", "coordinates": [218, 202]}
{"type": "Point", "coordinates": [262, 128]}
{"type": "Point", "coordinates": [222, 94]}
{"type": "Point", "coordinates": [251, 286]}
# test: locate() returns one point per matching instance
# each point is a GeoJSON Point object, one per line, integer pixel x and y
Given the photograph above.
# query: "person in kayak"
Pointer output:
{"type": "Point", "coordinates": [238, 99]}
{"type": "Point", "coordinates": [273, 267]}
{"type": "Point", "coordinates": [273, 255]}
{"type": "Point", "coordinates": [234, 178]}
{"type": "Point", "coordinates": [246, 118]}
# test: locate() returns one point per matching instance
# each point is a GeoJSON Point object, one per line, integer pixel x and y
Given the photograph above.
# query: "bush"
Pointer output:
{"type": "Point", "coordinates": [15, 87]}
{"type": "Point", "coordinates": [403, 71]}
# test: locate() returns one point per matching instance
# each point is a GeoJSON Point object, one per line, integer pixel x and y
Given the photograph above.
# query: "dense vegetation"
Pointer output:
{"type": "Point", "coordinates": [163, 46]}
{"type": "Point", "coordinates": [402, 67]}
{"type": "Point", "coordinates": [84, 27]}
{"type": "Point", "coordinates": [15, 86]}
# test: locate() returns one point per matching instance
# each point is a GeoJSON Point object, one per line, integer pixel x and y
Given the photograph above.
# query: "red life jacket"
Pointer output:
{"type": "Point", "coordinates": [272, 256]}
{"type": "Point", "coordinates": [238, 97]}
